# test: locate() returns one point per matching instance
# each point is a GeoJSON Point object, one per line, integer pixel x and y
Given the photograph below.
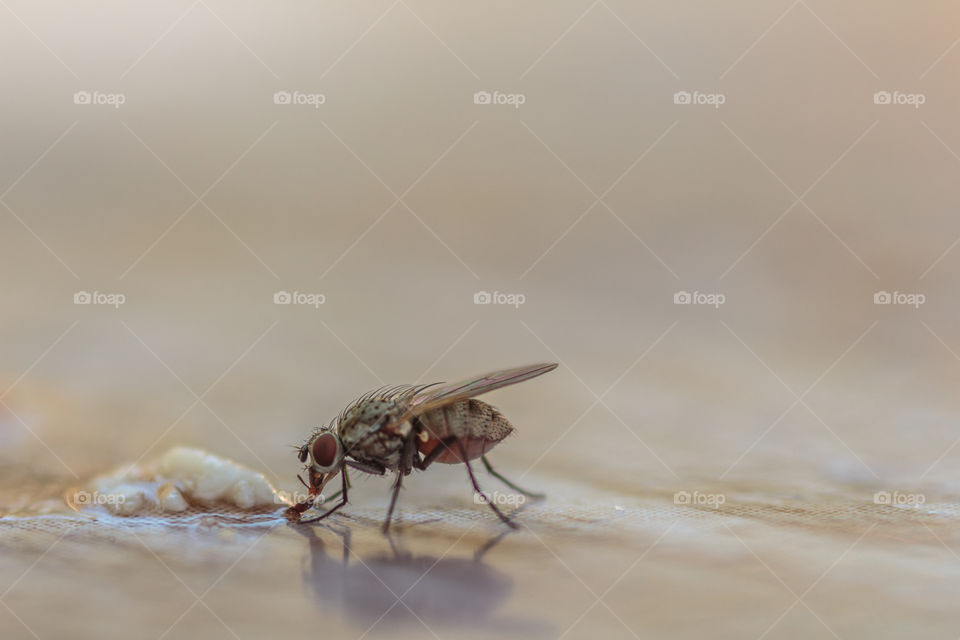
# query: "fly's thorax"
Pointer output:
{"type": "Point", "coordinates": [370, 431]}
{"type": "Point", "coordinates": [366, 417]}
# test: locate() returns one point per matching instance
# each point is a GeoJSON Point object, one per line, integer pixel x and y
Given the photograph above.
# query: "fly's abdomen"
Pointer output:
{"type": "Point", "coordinates": [478, 427]}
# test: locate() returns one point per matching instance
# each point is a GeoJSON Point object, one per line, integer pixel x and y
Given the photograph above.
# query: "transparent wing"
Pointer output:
{"type": "Point", "coordinates": [438, 396]}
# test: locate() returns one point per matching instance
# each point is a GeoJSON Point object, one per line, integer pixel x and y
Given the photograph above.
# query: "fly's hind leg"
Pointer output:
{"type": "Point", "coordinates": [529, 494]}
{"type": "Point", "coordinates": [422, 463]}
{"type": "Point", "coordinates": [476, 487]}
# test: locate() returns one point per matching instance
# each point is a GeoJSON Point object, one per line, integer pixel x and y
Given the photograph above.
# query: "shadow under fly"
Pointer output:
{"type": "Point", "coordinates": [394, 586]}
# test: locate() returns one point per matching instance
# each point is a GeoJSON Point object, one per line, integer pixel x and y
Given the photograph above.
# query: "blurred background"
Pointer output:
{"type": "Point", "coordinates": [733, 225]}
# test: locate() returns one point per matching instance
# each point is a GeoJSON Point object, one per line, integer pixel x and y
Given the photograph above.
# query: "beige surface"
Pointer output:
{"type": "Point", "coordinates": [795, 401]}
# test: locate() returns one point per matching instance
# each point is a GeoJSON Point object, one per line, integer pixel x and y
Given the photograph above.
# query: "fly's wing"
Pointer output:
{"type": "Point", "coordinates": [438, 396]}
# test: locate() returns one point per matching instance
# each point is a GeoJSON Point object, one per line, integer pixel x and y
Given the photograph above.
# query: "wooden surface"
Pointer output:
{"type": "Point", "coordinates": [709, 470]}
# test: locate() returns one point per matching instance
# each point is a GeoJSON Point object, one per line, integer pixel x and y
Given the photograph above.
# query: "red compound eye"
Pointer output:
{"type": "Point", "coordinates": [325, 449]}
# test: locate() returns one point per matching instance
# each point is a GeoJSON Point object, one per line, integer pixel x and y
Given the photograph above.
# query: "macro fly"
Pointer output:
{"type": "Point", "coordinates": [410, 427]}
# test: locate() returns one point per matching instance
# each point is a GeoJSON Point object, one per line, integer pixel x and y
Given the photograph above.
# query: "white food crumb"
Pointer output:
{"type": "Point", "coordinates": [207, 477]}
{"type": "Point", "coordinates": [171, 499]}
{"type": "Point", "coordinates": [179, 477]}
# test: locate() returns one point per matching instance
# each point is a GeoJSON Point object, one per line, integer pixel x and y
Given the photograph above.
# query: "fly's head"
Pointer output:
{"type": "Point", "coordinates": [322, 455]}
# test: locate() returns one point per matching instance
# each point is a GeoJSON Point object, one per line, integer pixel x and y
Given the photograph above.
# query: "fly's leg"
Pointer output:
{"type": "Point", "coordinates": [367, 467]}
{"type": "Point", "coordinates": [359, 466]}
{"type": "Point", "coordinates": [476, 487]}
{"type": "Point", "coordinates": [343, 499]}
{"type": "Point", "coordinates": [333, 497]}
{"type": "Point", "coordinates": [408, 454]}
{"type": "Point", "coordinates": [326, 500]}
{"type": "Point", "coordinates": [295, 511]}
{"type": "Point", "coordinates": [424, 462]}
{"type": "Point", "coordinates": [406, 463]}
{"type": "Point", "coordinates": [529, 494]}
{"type": "Point", "coordinates": [393, 501]}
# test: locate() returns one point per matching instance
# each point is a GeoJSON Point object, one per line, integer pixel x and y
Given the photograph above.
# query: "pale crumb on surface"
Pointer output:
{"type": "Point", "coordinates": [208, 477]}
{"type": "Point", "coordinates": [172, 482]}
{"type": "Point", "coordinates": [171, 499]}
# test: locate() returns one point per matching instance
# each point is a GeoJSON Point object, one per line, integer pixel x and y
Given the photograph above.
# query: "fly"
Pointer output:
{"type": "Point", "coordinates": [410, 427]}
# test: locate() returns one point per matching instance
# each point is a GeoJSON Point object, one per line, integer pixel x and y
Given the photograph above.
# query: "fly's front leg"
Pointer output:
{"type": "Point", "coordinates": [293, 513]}
{"type": "Point", "coordinates": [529, 494]}
{"type": "Point", "coordinates": [372, 468]}
{"type": "Point", "coordinates": [343, 499]}
{"type": "Point", "coordinates": [476, 486]}
{"type": "Point", "coordinates": [408, 454]}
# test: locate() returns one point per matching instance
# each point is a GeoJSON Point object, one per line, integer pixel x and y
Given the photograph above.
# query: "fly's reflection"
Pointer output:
{"type": "Point", "coordinates": [396, 586]}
